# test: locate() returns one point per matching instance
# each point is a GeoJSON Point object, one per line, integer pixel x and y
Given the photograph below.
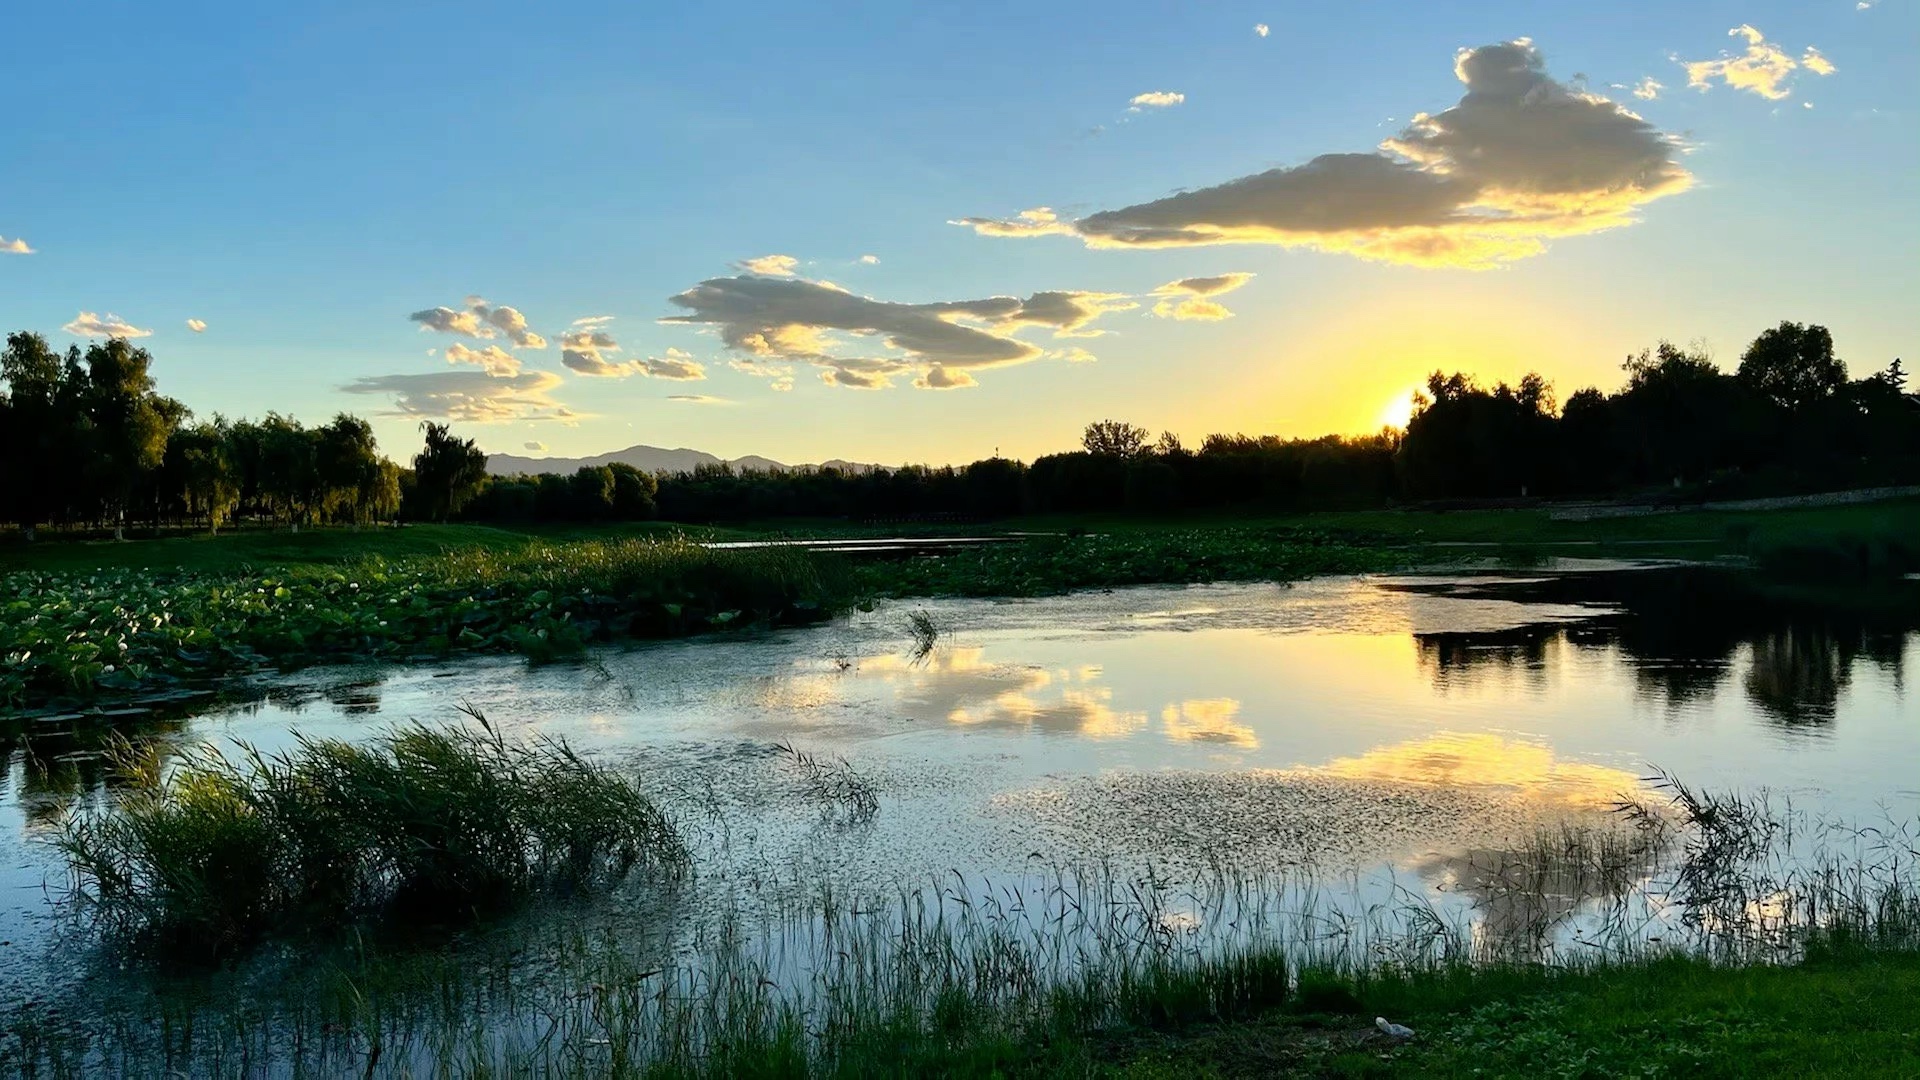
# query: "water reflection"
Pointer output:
{"type": "Point", "coordinates": [1683, 634]}
{"type": "Point", "coordinates": [1208, 720]}
{"type": "Point", "coordinates": [1454, 759]}
{"type": "Point", "coordinates": [44, 771]}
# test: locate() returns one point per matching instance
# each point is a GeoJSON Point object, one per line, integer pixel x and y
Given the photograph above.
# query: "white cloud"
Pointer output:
{"type": "Point", "coordinates": [770, 265]}
{"type": "Point", "coordinates": [472, 396]}
{"type": "Point", "coordinates": [699, 399]}
{"type": "Point", "coordinates": [197, 326]}
{"type": "Point", "coordinates": [1519, 160]}
{"type": "Point", "coordinates": [481, 320]}
{"type": "Point", "coordinates": [1648, 88]}
{"type": "Point", "coordinates": [1764, 68]}
{"type": "Point", "coordinates": [866, 343]}
{"type": "Point", "coordinates": [15, 246]}
{"type": "Point", "coordinates": [592, 320]}
{"type": "Point", "coordinates": [870, 260]}
{"type": "Point", "coordinates": [88, 324]}
{"type": "Point", "coordinates": [1262, 29]}
{"type": "Point", "coordinates": [491, 359]}
{"type": "Point", "coordinates": [1156, 99]}
{"type": "Point", "coordinates": [1188, 299]}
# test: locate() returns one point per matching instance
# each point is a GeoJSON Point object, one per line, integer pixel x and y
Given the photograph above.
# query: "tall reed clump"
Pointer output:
{"type": "Point", "coordinates": [419, 825]}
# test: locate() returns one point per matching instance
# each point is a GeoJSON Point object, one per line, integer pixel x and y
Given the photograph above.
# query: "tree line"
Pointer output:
{"type": "Point", "coordinates": [87, 440]}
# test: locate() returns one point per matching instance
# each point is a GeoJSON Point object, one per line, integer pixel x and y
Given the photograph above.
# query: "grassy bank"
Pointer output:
{"type": "Point", "coordinates": [1697, 531]}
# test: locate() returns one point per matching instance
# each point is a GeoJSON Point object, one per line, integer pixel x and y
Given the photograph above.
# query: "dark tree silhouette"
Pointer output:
{"type": "Point", "coordinates": [1793, 366]}
{"type": "Point", "coordinates": [1115, 439]}
{"type": "Point", "coordinates": [448, 470]}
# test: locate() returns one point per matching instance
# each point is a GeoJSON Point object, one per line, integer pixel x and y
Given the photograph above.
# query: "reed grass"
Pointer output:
{"type": "Point", "coordinates": [419, 825]}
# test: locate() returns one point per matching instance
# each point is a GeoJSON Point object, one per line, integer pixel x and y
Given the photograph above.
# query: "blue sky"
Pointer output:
{"type": "Point", "coordinates": [304, 180]}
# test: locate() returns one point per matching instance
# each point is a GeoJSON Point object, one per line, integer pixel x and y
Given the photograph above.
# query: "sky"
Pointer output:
{"type": "Point", "coordinates": [933, 232]}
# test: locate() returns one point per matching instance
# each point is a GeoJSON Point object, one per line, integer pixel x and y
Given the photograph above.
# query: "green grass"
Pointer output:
{"type": "Point", "coordinates": [253, 548]}
{"type": "Point", "coordinates": [1847, 1012]}
{"type": "Point", "coordinates": [418, 824]}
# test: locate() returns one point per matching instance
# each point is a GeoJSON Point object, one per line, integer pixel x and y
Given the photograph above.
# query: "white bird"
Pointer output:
{"type": "Point", "coordinates": [1397, 1032]}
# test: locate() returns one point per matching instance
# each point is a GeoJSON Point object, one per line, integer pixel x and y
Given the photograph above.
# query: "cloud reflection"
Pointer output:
{"type": "Point", "coordinates": [1479, 760]}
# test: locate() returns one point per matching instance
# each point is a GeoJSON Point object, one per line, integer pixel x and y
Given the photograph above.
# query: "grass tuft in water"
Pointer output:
{"type": "Point", "coordinates": [419, 825]}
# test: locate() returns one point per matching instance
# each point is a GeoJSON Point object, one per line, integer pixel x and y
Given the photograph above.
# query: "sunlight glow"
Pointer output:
{"type": "Point", "coordinates": [1399, 410]}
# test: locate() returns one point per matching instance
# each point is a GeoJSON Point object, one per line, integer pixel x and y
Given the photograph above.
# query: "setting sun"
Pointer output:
{"type": "Point", "coordinates": [1398, 410]}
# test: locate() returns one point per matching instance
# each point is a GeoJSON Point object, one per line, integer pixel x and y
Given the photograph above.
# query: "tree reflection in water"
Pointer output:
{"type": "Point", "coordinates": [1685, 632]}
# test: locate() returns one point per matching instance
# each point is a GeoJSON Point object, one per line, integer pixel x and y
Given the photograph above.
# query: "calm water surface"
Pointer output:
{"type": "Point", "coordinates": [1392, 723]}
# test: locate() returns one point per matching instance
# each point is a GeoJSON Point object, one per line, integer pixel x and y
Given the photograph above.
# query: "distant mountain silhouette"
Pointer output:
{"type": "Point", "coordinates": [651, 459]}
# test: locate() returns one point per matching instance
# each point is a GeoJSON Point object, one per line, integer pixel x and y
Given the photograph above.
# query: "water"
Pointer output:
{"type": "Point", "coordinates": [1400, 727]}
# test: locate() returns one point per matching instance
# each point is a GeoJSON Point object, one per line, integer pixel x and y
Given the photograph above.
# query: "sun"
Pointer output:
{"type": "Point", "coordinates": [1399, 410]}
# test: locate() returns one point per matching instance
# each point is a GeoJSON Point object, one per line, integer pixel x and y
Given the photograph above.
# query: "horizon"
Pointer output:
{"type": "Point", "coordinates": [1241, 220]}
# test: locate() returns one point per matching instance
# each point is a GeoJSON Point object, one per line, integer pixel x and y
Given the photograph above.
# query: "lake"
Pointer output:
{"type": "Point", "coordinates": [1380, 728]}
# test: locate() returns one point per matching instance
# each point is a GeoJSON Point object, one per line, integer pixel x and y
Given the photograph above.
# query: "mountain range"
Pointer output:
{"type": "Point", "coordinates": [652, 459]}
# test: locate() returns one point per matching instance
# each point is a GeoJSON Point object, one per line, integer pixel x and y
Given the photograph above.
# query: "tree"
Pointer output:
{"type": "Point", "coordinates": [288, 474]}
{"type": "Point", "coordinates": [346, 466]}
{"type": "Point", "coordinates": [35, 438]}
{"type": "Point", "coordinates": [448, 470]}
{"type": "Point", "coordinates": [1114, 439]}
{"type": "Point", "coordinates": [1792, 366]}
{"type": "Point", "coordinates": [633, 492]}
{"type": "Point", "coordinates": [130, 423]}
{"type": "Point", "coordinates": [200, 458]}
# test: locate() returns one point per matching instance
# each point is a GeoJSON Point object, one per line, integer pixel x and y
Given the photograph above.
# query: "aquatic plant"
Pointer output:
{"type": "Point", "coordinates": [925, 632]}
{"type": "Point", "coordinates": [1055, 564]}
{"type": "Point", "coordinates": [71, 635]}
{"type": "Point", "coordinates": [420, 824]}
{"type": "Point", "coordinates": [833, 782]}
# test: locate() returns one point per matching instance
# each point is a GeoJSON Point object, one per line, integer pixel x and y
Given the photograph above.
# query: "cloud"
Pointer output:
{"type": "Point", "coordinates": [1764, 68]}
{"type": "Point", "coordinates": [481, 320]}
{"type": "Point", "coordinates": [699, 399]}
{"type": "Point", "coordinates": [675, 365]}
{"type": "Point", "coordinates": [795, 320]}
{"type": "Point", "coordinates": [1519, 160]}
{"type": "Point", "coordinates": [592, 320]}
{"type": "Point", "coordinates": [585, 351]}
{"type": "Point", "coordinates": [1262, 29]}
{"type": "Point", "coordinates": [470, 396]}
{"type": "Point", "coordinates": [771, 265]}
{"type": "Point", "coordinates": [1648, 88]}
{"type": "Point", "coordinates": [536, 447]}
{"type": "Point", "coordinates": [870, 260]}
{"type": "Point", "coordinates": [15, 246]}
{"type": "Point", "coordinates": [197, 326]}
{"type": "Point", "coordinates": [939, 377]}
{"type": "Point", "coordinates": [1156, 99]}
{"type": "Point", "coordinates": [1186, 299]}
{"type": "Point", "coordinates": [88, 324]}
{"type": "Point", "coordinates": [492, 359]}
